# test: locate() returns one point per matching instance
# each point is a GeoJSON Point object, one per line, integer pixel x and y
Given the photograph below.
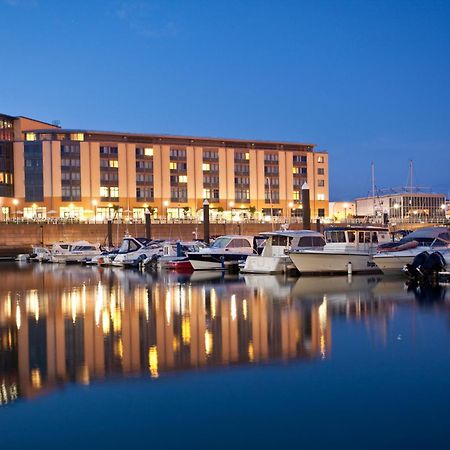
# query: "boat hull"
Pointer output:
{"type": "Point", "coordinates": [316, 263]}
{"type": "Point", "coordinates": [267, 264]}
{"type": "Point", "coordinates": [211, 261]}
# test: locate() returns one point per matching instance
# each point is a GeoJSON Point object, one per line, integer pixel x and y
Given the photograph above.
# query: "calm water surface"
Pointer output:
{"type": "Point", "coordinates": [105, 358]}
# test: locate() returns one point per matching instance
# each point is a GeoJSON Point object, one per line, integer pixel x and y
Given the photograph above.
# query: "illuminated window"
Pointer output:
{"type": "Point", "coordinates": [320, 159]}
{"type": "Point", "coordinates": [296, 195]}
{"type": "Point", "coordinates": [320, 196]}
{"type": "Point", "coordinates": [247, 156]}
{"type": "Point", "coordinates": [182, 179]}
{"type": "Point", "coordinates": [206, 167]}
{"type": "Point", "coordinates": [148, 151]}
{"type": "Point", "coordinates": [114, 192]}
{"type": "Point", "coordinates": [113, 163]}
{"type": "Point", "coordinates": [295, 170]}
{"type": "Point", "coordinates": [77, 136]}
{"type": "Point", "coordinates": [30, 136]}
{"type": "Point", "coordinates": [173, 166]}
{"type": "Point", "coordinates": [206, 193]}
{"type": "Point", "coordinates": [104, 191]}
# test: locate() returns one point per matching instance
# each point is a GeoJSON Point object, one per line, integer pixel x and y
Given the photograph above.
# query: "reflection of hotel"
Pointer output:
{"type": "Point", "coordinates": [73, 332]}
{"type": "Point", "coordinates": [79, 173]}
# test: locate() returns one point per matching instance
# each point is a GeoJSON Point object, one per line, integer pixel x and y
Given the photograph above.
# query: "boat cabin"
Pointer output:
{"type": "Point", "coordinates": [278, 243]}
{"type": "Point", "coordinates": [235, 244]}
{"type": "Point", "coordinates": [356, 236]}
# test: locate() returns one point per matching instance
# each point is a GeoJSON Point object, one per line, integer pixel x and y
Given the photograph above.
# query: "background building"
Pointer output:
{"type": "Point", "coordinates": [71, 173]}
{"type": "Point", "coordinates": [403, 206]}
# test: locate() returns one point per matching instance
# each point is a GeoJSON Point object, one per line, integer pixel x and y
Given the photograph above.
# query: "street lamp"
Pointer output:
{"type": "Point", "coordinates": [345, 211]}
{"type": "Point", "coordinates": [166, 204]}
{"type": "Point", "coordinates": [15, 203]}
{"type": "Point", "coordinates": [94, 204]}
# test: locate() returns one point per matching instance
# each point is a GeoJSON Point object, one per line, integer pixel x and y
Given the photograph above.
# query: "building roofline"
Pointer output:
{"type": "Point", "coordinates": [56, 127]}
{"type": "Point", "coordinates": [146, 136]}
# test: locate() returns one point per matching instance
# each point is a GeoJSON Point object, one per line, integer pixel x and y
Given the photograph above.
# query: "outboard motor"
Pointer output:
{"type": "Point", "coordinates": [426, 266]}
{"type": "Point", "coordinates": [414, 269]}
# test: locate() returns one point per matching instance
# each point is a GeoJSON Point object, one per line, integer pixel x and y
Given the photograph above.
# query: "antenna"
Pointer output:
{"type": "Point", "coordinates": [411, 175]}
{"type": "Point", "coordinates": [373, 186]}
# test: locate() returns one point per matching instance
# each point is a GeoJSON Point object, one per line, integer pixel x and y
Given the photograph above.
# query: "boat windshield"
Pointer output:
{"type": "Point", "coordinates": [281, 241]}
{"type": "Point", "coordinates": [128, 245]}
{"type": "Point", "coordinates": [221, 242]}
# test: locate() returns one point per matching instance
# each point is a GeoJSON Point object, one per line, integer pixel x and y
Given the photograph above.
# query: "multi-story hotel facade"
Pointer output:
{"type": "Point", "coordinates": [50, 172]}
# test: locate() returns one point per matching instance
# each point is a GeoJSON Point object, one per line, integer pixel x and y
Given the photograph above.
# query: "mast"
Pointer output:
{"type": "Point", "coordinates": [373, 187]}
{"type": "Point", "coordinates": [410, 176]}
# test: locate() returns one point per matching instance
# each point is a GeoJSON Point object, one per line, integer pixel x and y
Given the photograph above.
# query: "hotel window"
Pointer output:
{"type": "Point", "coordinates": [320, 159]}
{"type": "Point", "coordinates": [7, 169]}
{"type": "Point", "coordinates": [173, 166]}
{"type": "Point", "coordinates": [296, 195]}
{"type": "Point", "coordinates": [77, 136]}
{"type": "Point", "coordinates": [109, 173]}
{"type": "Point", "coordinates": [321, 183]}
{"type": "Point", "coordinates": [296, 170]}
{"type": "Point", "coordinates": [206, 167]}
{"type": "Point", "coordinates": [178, 194]}
{"type": "Point", "coordinates": [34, 180]}
{"type": "Point", "coordinates": [178, 176]}
{"type": "Point", "coordinates": [148, 151]}
{"type": "Point", "coordinates": [182, 179]}
{"type": "Point", "coordinates": [321, 212]}
{"type": "Point", "coordinates": [271, 176]}
{"type": "Point", "coordinates": [210, 154]}
{"type": "Point", "coordinates": [320, 171]}
{"type": "Point", "coordinates": [70, 172]}
{"type": "Point", "coordinates": [30, 136]}
{"type": "Point", "coordinates": [320, 196]}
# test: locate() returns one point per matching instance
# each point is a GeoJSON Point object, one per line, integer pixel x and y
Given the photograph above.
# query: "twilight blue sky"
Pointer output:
{"type": "Point", "coordinates": [366, 80]}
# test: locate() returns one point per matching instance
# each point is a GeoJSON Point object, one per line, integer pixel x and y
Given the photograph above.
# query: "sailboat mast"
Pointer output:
{"type": "Point", "coordinates": [373, 187]}
{"type": "Point", "coordinates": [411, 175]}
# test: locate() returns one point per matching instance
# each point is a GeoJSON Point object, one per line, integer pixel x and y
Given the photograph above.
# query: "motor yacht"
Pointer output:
{"type": "Point", "coordinates": [75, 252]}
{"type": "Point", "coordinates": [274, 257]}
{"type": "Point", "coordinates": [40, 254]}
{"type": "Point", "coordinates": [174, 254]}
{"type": "Point", "coordinates": [133, 251]}
{"type": "Point", "coordinates": [347, 249]}
{"type": "Point", "coordinates": [224, 253]}
{"type": "Point", "coordinates": [392, 258]}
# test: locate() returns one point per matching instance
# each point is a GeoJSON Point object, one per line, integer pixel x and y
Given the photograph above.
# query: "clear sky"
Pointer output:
{"type": "Point", "coordinates": [365, 80]}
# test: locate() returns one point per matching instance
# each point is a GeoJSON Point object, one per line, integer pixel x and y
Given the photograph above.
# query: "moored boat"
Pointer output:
{"type": "Point", "coordinates": [274, 257]}
{"type": "Point", "coordinates": [347, 249]}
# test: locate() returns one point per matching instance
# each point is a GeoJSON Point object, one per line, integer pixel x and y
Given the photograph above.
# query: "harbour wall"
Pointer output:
{"type": "Point", "coordinates": [19, 238]}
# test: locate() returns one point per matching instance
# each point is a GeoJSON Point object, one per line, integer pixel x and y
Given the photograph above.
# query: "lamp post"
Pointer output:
{"type": "Point", "coordinates": [166, 204]}
{"type": "Point", "coordinates": [94, 204]}
{"type": "Point", "coordinates": [444, 210]}
{"type": "Point", "coordinates": [290, 206]}
{"type": "Point", "coordinates": [345, 212]}
{"type": "Point", "coordinates": [15, 203]}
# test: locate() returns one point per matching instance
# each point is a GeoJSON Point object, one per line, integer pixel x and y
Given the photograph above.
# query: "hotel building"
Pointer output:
{"type": "Point", "coordinates": [47, 171]}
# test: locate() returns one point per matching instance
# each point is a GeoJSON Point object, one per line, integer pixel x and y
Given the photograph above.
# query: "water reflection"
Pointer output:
{"type": "Point", "coordinates": [61, 324]}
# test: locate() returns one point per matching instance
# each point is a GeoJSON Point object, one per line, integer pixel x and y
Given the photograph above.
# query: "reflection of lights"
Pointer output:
{"type": "Point", "coordinates": [105, 322]}
{"type": "Point", "coordinates": [233, 307]}
{"type": "Point", "coordinates": [118, 348]}
{"type": "Point", "coordinates": [117, 320]}
{"type": "Point", "coordinates": [213, 296]}
{"type": "Point", "coordinates": [186, 330]}
{"type": "Point", "coordinates": [244, 308]}
{"type": "Point", "coordinates": [18, 317]}
{"type": "Point", "coordinates": [32, 303]}
{"type": "Point", "coordinates": [98, 303]}
{"type": "Point", "coordinates": [168, 307]}
{"type": "Point", "coordinates": [208, 342]}
{"type": "Point", "coordinates": [36, 380]}
{"type": "Point", "coordinates": [153, 361]}
{"type": "Point", "coordinates": [83, 376]}
{"type": "Point", "coordinates": [322, 311]}
{"type": "Point", "coordinates": [175, 344]}
{"type": "Point", "coordinates": [251, 352]}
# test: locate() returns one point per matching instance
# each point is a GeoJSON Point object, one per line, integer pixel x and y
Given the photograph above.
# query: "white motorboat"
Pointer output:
{"type": "Point", "coordinates": [176, 252]}
{"type": "Point", "coordinates": [75, 252]}
{"type": "Point", "coordinates": [391, 258]}
{"type": "Point", "coordinates": [347, 249]}
{"type": "Point", "coordinates": [134, 251]}
{"type": "Point", "coordinates": [274, 257]}
{"type": "Point", "coordinates": [224, 253]}
{"type": "Point", "coordinates": [40, 254]}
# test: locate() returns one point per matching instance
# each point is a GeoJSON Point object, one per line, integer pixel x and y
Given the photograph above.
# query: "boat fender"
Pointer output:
{"type": "Point", "coordinates": [349, 268]}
